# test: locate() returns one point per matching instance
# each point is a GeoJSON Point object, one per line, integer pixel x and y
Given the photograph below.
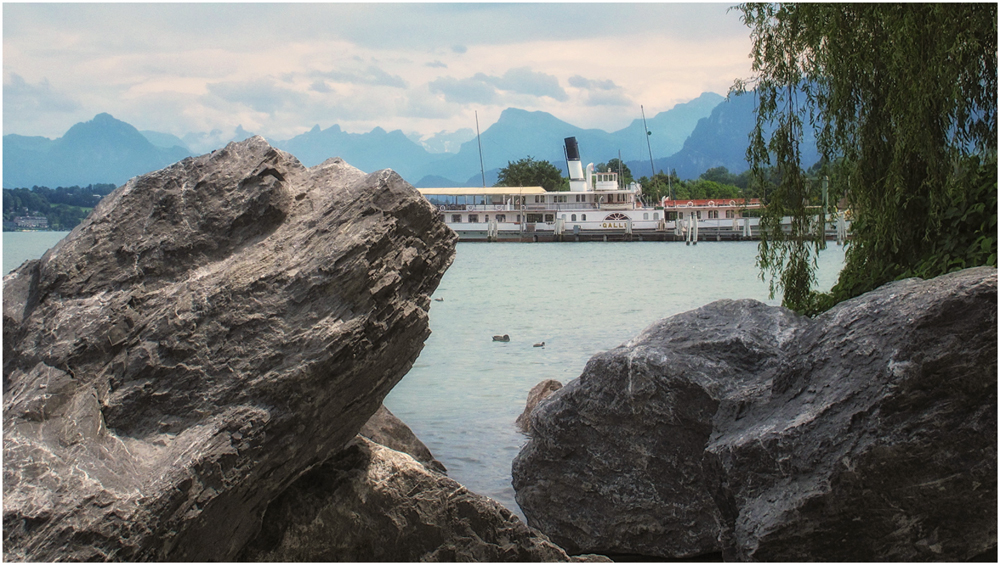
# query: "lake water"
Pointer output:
{"type": "Point", "coordinates": [465, 391]}
{"type": "Point", "coordinates": [19, 246]}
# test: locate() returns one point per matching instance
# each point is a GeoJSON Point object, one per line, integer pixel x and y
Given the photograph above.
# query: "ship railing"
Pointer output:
{"type": "Point", "coordinates": [478, 207]}
{"type": "Point", "coordinates": [562, 206]}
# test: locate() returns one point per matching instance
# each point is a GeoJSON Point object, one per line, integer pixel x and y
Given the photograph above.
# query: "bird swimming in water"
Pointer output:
{"type": "Point", "coordinates": [439, 300]}
{"type": "Point", "coordinates": [503, 337]}
{"type": "Point", "coordinates": [542, 344]}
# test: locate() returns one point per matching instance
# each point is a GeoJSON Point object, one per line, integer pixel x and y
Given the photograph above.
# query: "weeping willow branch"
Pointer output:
{"type": "Point", "coordinates": [902, 100]}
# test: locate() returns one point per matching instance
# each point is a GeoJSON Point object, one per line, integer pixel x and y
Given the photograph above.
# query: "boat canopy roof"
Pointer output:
{"type": "Point", "coordinates": [482, 191]}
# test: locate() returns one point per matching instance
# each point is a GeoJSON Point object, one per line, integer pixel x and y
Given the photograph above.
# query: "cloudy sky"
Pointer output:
{"type": "Point", "coordinates": [279, 69]}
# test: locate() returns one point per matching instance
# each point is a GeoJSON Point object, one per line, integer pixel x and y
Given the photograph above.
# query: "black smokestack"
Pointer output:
{"type": "Point", "coordinates": [572, 149]}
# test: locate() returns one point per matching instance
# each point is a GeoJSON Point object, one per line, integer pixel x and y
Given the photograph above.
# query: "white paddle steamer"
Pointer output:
{"type": "Point", "coordinates": [597, 207]}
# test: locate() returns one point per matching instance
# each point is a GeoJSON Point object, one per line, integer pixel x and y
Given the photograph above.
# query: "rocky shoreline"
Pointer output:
{"type": "Point", "coordinates": [196, 373]}
{"type": "Point", "coordinates": [865, 434]}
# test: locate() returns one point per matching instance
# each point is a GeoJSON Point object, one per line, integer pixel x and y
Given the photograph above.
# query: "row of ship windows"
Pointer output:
{"type": "Point", "coordinates": [474, 218]}
{"type": "Point", "coordinates": [579, 198]}
{"type": "Point", "coordinates": [712, 214]}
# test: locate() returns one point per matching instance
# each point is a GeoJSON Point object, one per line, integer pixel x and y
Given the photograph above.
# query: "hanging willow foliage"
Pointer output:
{"type": "Point", "coordinates": [903, 100]}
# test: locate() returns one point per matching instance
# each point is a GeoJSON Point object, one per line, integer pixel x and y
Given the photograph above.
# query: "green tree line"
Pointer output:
{"type": "Point", "coordinates": [716, 182]}
{"type": "Point", "coordinates": [63, 207]}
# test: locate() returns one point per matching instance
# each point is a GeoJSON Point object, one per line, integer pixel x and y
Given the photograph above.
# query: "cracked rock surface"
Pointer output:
{"type": "Point", "coordinates": [211, 332]}
{"type": "Point", "coordinates": [866, 434]}
{"type": "Point", "coordinates": [371, 503]}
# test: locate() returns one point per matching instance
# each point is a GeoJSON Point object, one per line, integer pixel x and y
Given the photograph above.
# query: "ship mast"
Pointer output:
{"type": "Point", "coordinates": [482, 168]}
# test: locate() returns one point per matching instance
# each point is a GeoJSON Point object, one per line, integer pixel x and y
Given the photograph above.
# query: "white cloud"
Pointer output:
{"type": "Point", "coordinates": [371, 75]}
{"type": "Point", "coordinates": [523, 80]}
{"type": "Point", "coordinates": [475, 90]}
{"type": "Point", "coordinates": [20, 96]}
{"type": "Point", "coordinates": [277, 69]}
{"type": "Point", "coordinates": [261, 95]}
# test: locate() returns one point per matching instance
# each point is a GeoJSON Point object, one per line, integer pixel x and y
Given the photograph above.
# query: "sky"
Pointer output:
{"type": "Point", "coordinates": [278, 69]}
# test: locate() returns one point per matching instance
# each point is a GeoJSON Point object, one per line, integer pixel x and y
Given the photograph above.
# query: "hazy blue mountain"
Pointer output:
{"type": "Point", "coordinates": [432, 181]}
{"type": "Point", "coordinates": [444, 141]}
{"type": "Point", "coordinates": [103, 150]}
{"type": "Point", "coordinates": [519, 133]}
{"type": "Point", "coordinates": [165, 140]}
{"type": "Point", "coordinates": [516, 135]}
{"type": "Point", "coordinates": [372, 151]}
{"type": "Point", "coordinates": [699, 134]}
{"type": "Point", "coordinates": [669, 129]}
{"type": "Point", "coordinates": [720, 140]}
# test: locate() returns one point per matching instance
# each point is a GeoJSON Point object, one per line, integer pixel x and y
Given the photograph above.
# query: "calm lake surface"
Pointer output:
{"type": "Point", "coordinates": [465, 391]}
{"type": "Point", "coordinates": [19, 246]}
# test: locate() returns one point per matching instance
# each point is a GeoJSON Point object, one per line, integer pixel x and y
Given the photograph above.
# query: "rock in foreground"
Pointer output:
{"type": "Point", "coordinates": [878, 438]}
{"type": "Point", "coordinates": [866, 434]}
{"type": "Point", "coordinates": [536, 395]}
{"type": "Point", "coordinates": [371, 503]}
{"type": "Point", "coordinates": [614, 464]}
{"type": "Point", "coordinates": [209, 333]}
{"type": "Point", "coordinates": [386, 429]}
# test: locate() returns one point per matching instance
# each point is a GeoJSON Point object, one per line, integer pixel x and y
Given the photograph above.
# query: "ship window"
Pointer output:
{"type": "Point", "coordinates": [656, 215]}
{"type": "Point", "coordinates": [473, 218]}
{"type": "Point", "coordinates": [730, 214]}
{"type": "Point", "coordinates": [583, 218]}
{"type": "Point", "coordinates": [564, 216]}
{"type": "Point", "coordinates": [501, 218]}
{"type": "Point", "coordinates": [698, 214]}
{"type": "Point", "coordinates": [456, 218]}
{"type": "Point", "coordinates": [680, 215]}
{"type": "Point", "coordinates": [487, 220]}
{"type": "Point", "coordinates": [572, 218]}
{"type": "Point", "coordinates": [549, 218]}
{"type": "Point", "coordinates": [645, 215]}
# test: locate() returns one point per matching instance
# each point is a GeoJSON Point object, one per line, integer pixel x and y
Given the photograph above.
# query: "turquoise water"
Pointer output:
{"type": "Point", "coordinates": [19, 246]}
{"type": "Point", "coordinates": [465, 391]}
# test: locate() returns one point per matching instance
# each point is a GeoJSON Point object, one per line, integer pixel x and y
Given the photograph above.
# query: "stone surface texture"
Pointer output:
{"type": "Point", "coordinates": [614, 463]}
{"type": "Point", "coordinates": [878, 438]}
{"type": "Point", "coordinates": [867, 433]}
{"type": "Point", "coordinates": [538, 393]}
{"type": "Point", "coordinates": [211, 332]}
{"type": "Point", "coordinates": [371, 503]}
{"type": "Point", "coordinates": [386, 429]}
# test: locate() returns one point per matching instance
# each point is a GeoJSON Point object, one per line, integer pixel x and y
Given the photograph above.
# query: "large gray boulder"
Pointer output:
{"type": "Point", "coordinates": [372, 503]}
{"type": "Point", "coordinates": [536, 395]}
{"type": "Point", "coordinates": [386, 429]}
{"type": "Point", "coordinates": [211, 332]}
{"type": "Point", "coordinates": [868, 433]}
{"type": "Point", "coordinates": [614, 463]}
{"type": "Point", "coordinates": [877, 440]}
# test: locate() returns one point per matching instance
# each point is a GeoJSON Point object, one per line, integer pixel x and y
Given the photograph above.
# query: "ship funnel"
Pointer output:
{"type": "Point", "coordinates": [573, 165]}
{"type": "Point", "coordinates": [572, 149]}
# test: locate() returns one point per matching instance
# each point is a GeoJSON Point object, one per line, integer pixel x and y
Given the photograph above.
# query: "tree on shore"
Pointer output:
{"type": "Point", "coordinates": [903, 99]}
{"type": "Point", "coordinates": [529, 172]}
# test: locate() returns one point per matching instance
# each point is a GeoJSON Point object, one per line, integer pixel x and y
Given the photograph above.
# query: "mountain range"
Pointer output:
{"type": "Point", "coordinates": [706, 132]}
{"type": "Point", "coordinates": [103, 150]}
